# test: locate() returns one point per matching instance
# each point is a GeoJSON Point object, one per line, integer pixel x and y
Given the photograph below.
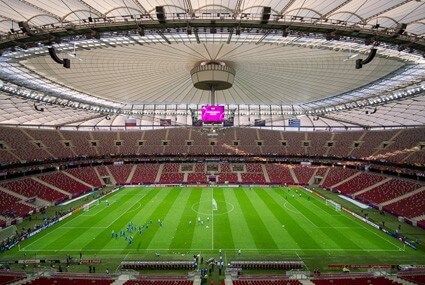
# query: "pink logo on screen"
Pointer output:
{"type": "Point", "coordinates": [212, 114]}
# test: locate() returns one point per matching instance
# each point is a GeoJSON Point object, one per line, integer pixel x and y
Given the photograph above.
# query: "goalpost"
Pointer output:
{"type": "Point", "coordinates": [336, 206]}
{"type": "Point", "coordinates": [87, 207]}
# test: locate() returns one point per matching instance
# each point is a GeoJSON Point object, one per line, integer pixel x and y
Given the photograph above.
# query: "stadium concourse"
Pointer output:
{"type": "Point", "coordinates": [282, 141]}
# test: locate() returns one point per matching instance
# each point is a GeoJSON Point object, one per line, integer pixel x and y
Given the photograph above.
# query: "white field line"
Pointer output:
{"type": "Point", "coordinates": [212, 219]}
{"type": "Point", "coordinates": [364, 226]}
{"type": "Point", "coordinates": [299, 212]}
{"type": "Point", "coordinates": [73, 219]}
{"type": "Point", "coordinates": [225, 249]}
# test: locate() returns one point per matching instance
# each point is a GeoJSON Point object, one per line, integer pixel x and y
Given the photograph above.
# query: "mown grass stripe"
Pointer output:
{"type": "Point", "coordinates": [293, 225]}
{"type": "Point", "coordinates": [242, 237]}
{"type": "Point", "coordinates": [202, 233]}
{"type": "Point", "coordinates": [223, 235]}
{"type": "Point", "coordinates": [260, 232]}
{"type": "Point", "coordinates": [119, 222]}
{"type": "Point", "coordinates": [184, 230]}
{"type": "Point", "coordinates": [166, 234]}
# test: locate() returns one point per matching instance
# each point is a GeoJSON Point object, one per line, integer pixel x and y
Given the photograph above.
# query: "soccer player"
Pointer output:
{"type": "Point", "coordinates": [107, 203]}
{"type": "Point", "coordinates": [208, 219]}
{"type": "Point", "coordinates": [113, 233]}
{"type": "Point", "coordinates": [190, 223]}
{"type": "Point", "coordinates": [199, 220]}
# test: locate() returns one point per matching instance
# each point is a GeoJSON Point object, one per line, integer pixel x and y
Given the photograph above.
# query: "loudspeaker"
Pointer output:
{"type": "Point", "coordinates": [266, 15]}
{"type": "Point", "coordinates": [66, 63]}
{"type": "Point", "coordinates": [90, 20]}
{"type": "Point", "coordinates": [359, 63]}
{"type": "Point", "coordinates": [401, 28]}
{"type": "Point", "coordinates": [160, 14]}
{"type": "Point", "coordinates": [25, 28]}
{"type": "Point", "coordinates": [53, 55]}
{"type": "Point", "coordinates": [370, 56]}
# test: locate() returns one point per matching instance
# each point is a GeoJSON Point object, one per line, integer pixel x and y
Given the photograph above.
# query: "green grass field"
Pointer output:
{"type": "Point", "coordinates": [265, 223]}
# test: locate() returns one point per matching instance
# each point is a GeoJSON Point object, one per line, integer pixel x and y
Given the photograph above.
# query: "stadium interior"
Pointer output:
{"type": "Point", "coordinates": [323, 98]}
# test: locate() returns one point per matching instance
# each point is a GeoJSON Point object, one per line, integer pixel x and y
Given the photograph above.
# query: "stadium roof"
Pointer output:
{"type": "Point", "coordinates": [298, 60]}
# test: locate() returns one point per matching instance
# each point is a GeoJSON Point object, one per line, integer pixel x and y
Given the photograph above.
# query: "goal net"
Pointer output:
{"type": "Point", "coordinates": [336, 206]}
{"type": "Point", "coordinates": [87, 207]}
{"type": "Point", "coordinates": [214, 205]}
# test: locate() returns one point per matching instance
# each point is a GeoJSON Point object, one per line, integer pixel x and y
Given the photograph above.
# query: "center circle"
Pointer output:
{"type": "Point", "coordinates": [204, 208]}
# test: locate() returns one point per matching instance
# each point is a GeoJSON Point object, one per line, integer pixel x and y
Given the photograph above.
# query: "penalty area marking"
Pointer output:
{"type": "Point", "coordinates": [73, 219]}
{"type": "Point", "coordinates": [300, 213]}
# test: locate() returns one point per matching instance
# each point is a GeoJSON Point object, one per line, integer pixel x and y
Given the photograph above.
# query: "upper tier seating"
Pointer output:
{"type": "Point", "coordinates": [294, 144]}
{"type": "Point", "coordinates": [30, 188]}
{"type": "Point", "coordinates": [80, 142]}
{"type": "Point", "coordinates": [7, 157]}
{"type": "Point", "coordinates": [106, 142]}
{"type": "Point", "coordinates": [20, 144]}
{"type": "Point", "coordinates": [178, 136]}
{"type": "Point", "coordinates": [318, 143]}
{"type": "Point", "coordinates": [246, 136]}
{"type": "Point", "coordinates": [403, 146]}
{"type": "Point", "coordinates": [344, 143]}
{"type": "Point", "coordinates": [154, 137]}
{"type": "Point", "coordinates": [129, 142]}
{"type": "Point", "coordinates": [272, 142]}
{"type": "Point", "coordinates": [53, 142]}
{"type": "Point", "coordinates": [371, 143]}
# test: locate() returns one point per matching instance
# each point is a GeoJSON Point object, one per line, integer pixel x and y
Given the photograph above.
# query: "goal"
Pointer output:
{"type": "Point", "coordinates": [88, 206]}
{"type": "Point", "coordinates": [334, 205]}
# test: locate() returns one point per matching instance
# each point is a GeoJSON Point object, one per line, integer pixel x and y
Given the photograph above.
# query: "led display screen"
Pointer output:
{"type": "Point", "coordinates": [212, 114]}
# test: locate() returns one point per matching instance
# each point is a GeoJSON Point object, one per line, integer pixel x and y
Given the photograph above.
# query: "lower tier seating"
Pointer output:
{"type": "Point", "coordinates": [355, 281]}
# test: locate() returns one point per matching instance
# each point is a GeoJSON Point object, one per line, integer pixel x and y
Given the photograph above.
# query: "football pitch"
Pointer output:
{"type": "Point", "coordinates": [263, 223]}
